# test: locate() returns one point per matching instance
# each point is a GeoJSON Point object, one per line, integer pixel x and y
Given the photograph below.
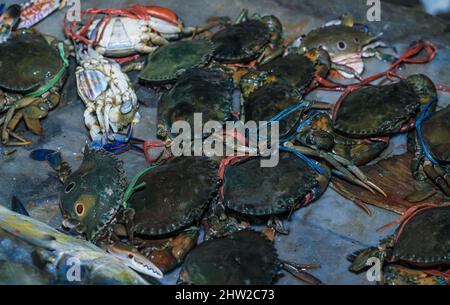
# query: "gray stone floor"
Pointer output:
{"type": "Point", "coordinates": [323, 233]}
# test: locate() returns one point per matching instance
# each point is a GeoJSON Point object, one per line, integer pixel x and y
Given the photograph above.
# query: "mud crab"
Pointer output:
{"type": "Point", "coordinates": [246, 258]}
{"type": "Point", "coordinates": [346, 43]}
{"type": "Point", "coordinates": [248, 39]}
{"type": "Point", "coordinates": [170, 61]}
{"type": "Point", "coordinates": [208, 91]}
{"type": "Point", "coordinates": [111, 103]}
{"type": "Point", "coordinates": [279, 85]}
{"type": "Point", "coordinates": [432, 145]}
{"type": "Point", "coordinates": [162, 219]}
{"type": "Point", "coordinates": [386, 109]}
{"type": "Point", "coordinates": [40, 63]}
{"type": "Point", "coordinates": [124, 32]}
{"type": "Point", "coordinates": [420, 242]}
{"type": "Point", "coordinates": [300, 181]}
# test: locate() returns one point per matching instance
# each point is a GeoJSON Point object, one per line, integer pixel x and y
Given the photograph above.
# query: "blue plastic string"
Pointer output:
{"type": "Point", "coordinates": [310, 162]}
{"type": "Point", "coordinates": [424, 114]}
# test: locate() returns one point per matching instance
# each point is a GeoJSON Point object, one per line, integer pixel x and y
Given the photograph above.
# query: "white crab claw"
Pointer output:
{"type": "Point", "coordinates": [136, 261]}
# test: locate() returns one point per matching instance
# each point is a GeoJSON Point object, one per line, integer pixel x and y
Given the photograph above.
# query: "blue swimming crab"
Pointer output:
{"type": "Point", "coordinates": [346, 42]}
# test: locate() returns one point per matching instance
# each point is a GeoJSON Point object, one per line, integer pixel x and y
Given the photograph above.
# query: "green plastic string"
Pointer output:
{"type": "Point", "coordinates": [132, 187]}
{"type": "Point", "coordinates": [54, 80]}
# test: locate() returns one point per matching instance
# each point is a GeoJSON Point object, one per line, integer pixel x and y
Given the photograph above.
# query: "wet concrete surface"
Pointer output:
{"type": "Point", "coordinates": [323, 233]}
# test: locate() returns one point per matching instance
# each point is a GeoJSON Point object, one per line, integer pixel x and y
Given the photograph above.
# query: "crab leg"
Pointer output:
{"type": "Point", "coordinates": [334, 162]}
{"type": "Point", "coordinates": [300, 274]}
{"type": "Point", "coordinates": [438, 176]}
{"type": "Point", "coordinates": [91, 123]}
{"type": "Point", "coordinates": [358, 173]}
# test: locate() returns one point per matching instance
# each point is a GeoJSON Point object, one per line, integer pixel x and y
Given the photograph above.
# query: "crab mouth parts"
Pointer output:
{"type": "Point", "coordinates": [353, 61]}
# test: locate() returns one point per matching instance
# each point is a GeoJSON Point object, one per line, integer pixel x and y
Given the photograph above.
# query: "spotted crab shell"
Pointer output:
{"type": "Point", "coordinates": [27, 62]}
{"type": "Point", "coordinates": [175, 195]}
{"type": "Point", "coordinates": [377, 110]}
{"type": "Point", "coordinates": [242, 258]}
{"type": "Point", "coordinates": [425, 238]}
{"type": "Point", "coordinates": [92, 194]}
{"type": "Point", "coordinates": [251, 189]}
{"type": "Point", "coordinates": [240, 42]}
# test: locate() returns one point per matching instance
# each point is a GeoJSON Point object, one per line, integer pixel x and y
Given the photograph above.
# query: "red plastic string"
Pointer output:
{"type": "Point", "coordinates": [136, 12]}
{"type": "Point", "coordinates": [124, 60]}
{"type": "Point", "coordinates": [147, 146]}
{"type": "Point", "coordinates": [444, 274]}
{"type": "Point", "coordinates": [411, 212]}
{"type": "Point", "coordinates": [391, 73]}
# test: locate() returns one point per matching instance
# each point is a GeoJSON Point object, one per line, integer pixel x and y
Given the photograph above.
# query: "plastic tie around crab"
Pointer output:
{"type": "Point", "coordinates": [410, 213]}
{"type": "Point", "coordinates": [282, 115]}
{"type": "Point", "coordinates": [424, 114]}
{"type": "Point", "coordinates": [407, 57]}
{"type": "Point", "coordinates": [133, 186]}
{"type": "Point", "coordinates": [2, 7]}
{"type": "Point", "coordinates": [56, 78]}
{"type": "Point", "coordinates": [134, 12]}
{"type": "Point", "coordinates": [319, 169]}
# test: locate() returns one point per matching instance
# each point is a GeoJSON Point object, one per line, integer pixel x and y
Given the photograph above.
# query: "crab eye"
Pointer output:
{"type": "Point", "coordinates": [341, 45]}
{"type": "Point", "coordinates": [356, 39]}
{"type": "Point", "coordinates": [79, 209]}
{"type": "Point", "coordinates": [130, 255]}
{"type": "Point", "coordinates": [69, 187]}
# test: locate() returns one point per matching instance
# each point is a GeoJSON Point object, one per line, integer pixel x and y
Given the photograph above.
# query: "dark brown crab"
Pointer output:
{"type": "Point", "coordinates": [432, 157]}
{"type": "Point", "coordinates": [248, 39]}
{"type": "Point", "coordinates": [163, 208]}
{"type": "Point", "coordinates": [421, 242]}
{"type": "Point", "coordinates": [366, 117]}
{"type": "Point", "coordinates": [40, 64]}
{"type": "Point", "coordinates": [244, 258]}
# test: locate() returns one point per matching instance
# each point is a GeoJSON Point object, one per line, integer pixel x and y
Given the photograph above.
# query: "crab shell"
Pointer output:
{"type": "Point", "coordinates": [424, 239]}
{"type": "Point", "coordinates": [242, 258]}
{"type": "Point", "coordinates": [267, 101]}
{"type": "Point", "coordinates": [436, 133]}
{"type": "Point", "coordinates": [251, 189]}
{"type": "Point", "coordinates": [208, 91]}
{"type": "Point", "coordinates": [241, 42]}
{"type": "Point", "coordinates": [92, 195]}
{"type": "Point", "coordinates": [298, 69]}
{"type": "Point", "coordinates": [377, 110]}
{"type": "Point", "coordinates": [32, 59]}
{"type": "Point", "coordinates": [175, 195]}
{"type": "Point", "coordinates": [171, 60]}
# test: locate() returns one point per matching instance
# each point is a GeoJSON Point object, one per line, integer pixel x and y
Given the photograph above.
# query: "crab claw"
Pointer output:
{"type": "Point", "coordinates": [135, 261]}
{"type": "Point", "coordinates": [353, 174]}
{"type": "Point", "coordinates": [297, 271]}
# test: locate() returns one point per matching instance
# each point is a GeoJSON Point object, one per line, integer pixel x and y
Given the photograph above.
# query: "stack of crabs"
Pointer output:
{"type": "Point", "coordinates": [154, 222]}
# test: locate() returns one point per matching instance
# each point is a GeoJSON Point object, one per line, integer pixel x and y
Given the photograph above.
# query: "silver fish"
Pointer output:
{"type": "Point", "coordinates": [68, 259]}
